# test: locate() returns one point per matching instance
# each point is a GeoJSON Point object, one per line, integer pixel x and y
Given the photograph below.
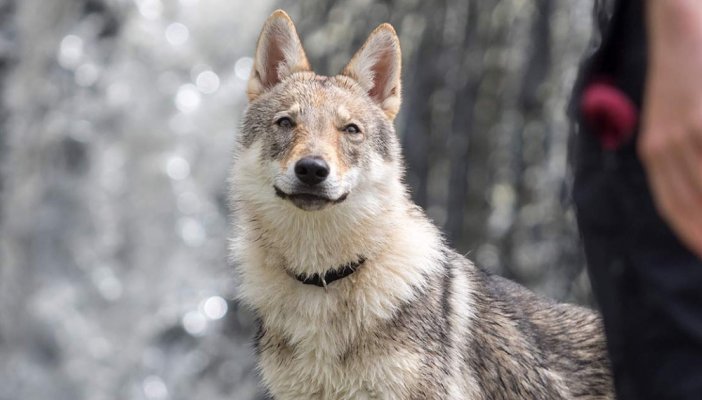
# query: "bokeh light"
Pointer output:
{"type": "Point", "coordinates": [177, 34]}
{"type": "Point", "coordinates": [207, 82]}
{"type": "Point", "coordinates": [215, 307]}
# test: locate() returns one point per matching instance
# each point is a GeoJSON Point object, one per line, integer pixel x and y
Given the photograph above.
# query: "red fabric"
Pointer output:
{"type": "Point", "coordinates": [610, 114]}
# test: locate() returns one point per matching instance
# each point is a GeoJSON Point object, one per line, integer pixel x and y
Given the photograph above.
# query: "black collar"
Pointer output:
{"type": "Point", "coordinates": [331, 275]}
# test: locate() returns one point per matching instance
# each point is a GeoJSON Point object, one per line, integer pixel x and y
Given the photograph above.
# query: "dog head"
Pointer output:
{"type": "Point", "coordinates": [317, 141]}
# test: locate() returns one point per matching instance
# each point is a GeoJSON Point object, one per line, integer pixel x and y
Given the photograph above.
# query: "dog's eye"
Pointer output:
{"type": "Point", "coordinates": [284, 122]}
{"type": "Point", "coordinates": [352, 129]}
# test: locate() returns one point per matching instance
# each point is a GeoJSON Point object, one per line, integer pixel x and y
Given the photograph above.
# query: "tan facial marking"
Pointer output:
{"type": "Point", "coordinates": [319, 131]}
{"type": "Point", "coordinates": [342, 115]}
{"type": "Point", "coordinates": [295, 110]}
{"type": "Point", "coordinates": [300, 147]}
{"type": "Point", "coordinates": [328, 146]}
{"type": "Point", "coordinates": [339, 154]}
{"type": "Point", "coordinates": [292, 112]}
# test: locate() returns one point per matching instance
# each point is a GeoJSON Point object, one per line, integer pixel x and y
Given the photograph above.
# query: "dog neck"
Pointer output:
{"type": "Point", "coordinates": [400, 246]}
{"type": "Point", "coordinates": [312, 243]}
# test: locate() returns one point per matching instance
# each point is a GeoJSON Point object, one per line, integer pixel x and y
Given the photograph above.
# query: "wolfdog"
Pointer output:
{"type": "Point", "coordinates": [356, 293]}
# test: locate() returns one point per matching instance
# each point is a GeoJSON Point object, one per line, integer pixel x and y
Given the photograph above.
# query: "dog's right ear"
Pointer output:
{"type": "Point", "coordinates": [279, 54]}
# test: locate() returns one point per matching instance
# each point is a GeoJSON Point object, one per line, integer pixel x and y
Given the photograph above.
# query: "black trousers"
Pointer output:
{"type": "Point", "coordinates": [648, 285]}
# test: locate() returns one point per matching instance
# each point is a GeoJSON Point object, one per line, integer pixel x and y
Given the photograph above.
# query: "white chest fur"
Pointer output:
{"type": "Point", "coordinates": [323, 344]}
{"type": "Point", "coordinates": [364, 371]}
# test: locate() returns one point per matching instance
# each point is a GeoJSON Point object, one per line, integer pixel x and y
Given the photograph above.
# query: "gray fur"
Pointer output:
{"type": "Point", "coordinates": [417, 321]}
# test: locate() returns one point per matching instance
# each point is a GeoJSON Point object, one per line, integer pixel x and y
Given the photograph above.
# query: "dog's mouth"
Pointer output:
{"type": "Point", "coordinates": [309, 201]}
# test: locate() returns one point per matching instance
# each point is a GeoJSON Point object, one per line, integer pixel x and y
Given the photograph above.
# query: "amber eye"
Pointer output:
{"type": "Point", "coordinates": [284, 122]}
{"type": "Point", "coordinates": [352, 129]}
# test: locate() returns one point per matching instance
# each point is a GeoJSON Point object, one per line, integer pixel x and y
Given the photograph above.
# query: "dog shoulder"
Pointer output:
{"type": "Point", "coordinates": [522, 330]}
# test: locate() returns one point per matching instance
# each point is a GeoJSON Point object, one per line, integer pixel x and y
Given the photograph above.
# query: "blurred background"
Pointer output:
{"type": "Point", "coordinates": [116, 122]}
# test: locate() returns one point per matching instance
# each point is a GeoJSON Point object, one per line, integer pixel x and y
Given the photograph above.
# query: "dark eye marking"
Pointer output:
{"type": "Point", "coordinates": [352, 129]}
{"type": "Point", "coordinates": [285, 122]}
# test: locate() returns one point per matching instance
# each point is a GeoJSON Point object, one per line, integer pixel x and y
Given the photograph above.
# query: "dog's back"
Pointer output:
{"type": "Point", "coordinates": [357, 294]}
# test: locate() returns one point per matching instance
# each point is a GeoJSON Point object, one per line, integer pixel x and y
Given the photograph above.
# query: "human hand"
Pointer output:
{"type": "Point", "coordinates": [671, 141]}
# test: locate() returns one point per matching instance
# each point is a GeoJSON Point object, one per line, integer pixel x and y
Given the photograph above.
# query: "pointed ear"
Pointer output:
{"type": "Point", "coordinates": [279, 54]}
{"type": "Point", "coordinates": [377, 66]}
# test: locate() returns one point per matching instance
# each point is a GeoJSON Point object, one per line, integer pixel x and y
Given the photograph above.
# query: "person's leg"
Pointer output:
{"type": "Point", "coordinates": [649, 287]}
{"type": "Point", "coordinates": [601, 223]}
{"type": "Point", "coordinates": [667, 309]}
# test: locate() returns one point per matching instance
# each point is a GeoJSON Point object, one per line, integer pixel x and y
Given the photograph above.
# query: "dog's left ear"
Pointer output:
{"type": "Point", "coordinates": [376, 67]}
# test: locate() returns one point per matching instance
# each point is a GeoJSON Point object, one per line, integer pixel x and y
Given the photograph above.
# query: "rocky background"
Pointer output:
{"type": "Point", "coordinates": [116, 122]}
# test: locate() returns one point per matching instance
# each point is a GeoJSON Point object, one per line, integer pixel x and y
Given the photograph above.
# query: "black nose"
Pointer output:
{"type": "Point", "coordinates": [312, 170]}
